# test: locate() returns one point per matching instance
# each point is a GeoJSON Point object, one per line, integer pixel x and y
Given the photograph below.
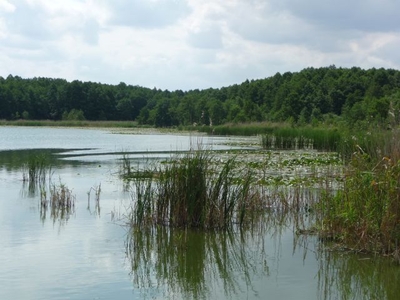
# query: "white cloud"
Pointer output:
{"type": "Point", "coordinates": [6, 6]}
{"type": "Point", "coordinates": [187, 44]}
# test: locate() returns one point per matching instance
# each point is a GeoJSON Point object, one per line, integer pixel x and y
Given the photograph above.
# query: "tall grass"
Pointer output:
{"type": "Point", "coordinates": [246, 129]}
{"type": "Point", "coordinates": [60, 202]}
{"type": "Point", "coordinates": [191, 191]}
{"type": "Point", "coordinates": [37, 169]}
{"type": "Point", "coordinates": [326, 139]}
{"type": "Point", "coordinates": [365, 213]}
{"type": "Point", "coordinates": [35, 172]}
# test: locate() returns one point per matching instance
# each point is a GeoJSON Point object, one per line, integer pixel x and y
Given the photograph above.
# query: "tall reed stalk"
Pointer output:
{"type": "Point", "coordinates": [365, 214]}
{"type": "Point", "coordinates": [191, 191]}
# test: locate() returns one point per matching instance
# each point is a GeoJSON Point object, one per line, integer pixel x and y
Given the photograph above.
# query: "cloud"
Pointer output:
{"type": "Point", "coordinates": [147, 14]}
{"type": "Point", "coordinates": [363, 15]}
{"type": "Point", "coordinates": [28, 21]}
{"type": "Point", "coordinates": [207, 38]}
{"type": "Point", "coordinates": [188, 44]}
{"type": "Point", "coordinates": [6, 6]}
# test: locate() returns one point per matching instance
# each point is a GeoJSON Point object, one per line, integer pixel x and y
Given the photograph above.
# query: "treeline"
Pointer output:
{"type": "Point", "coordinates": [355, 96]}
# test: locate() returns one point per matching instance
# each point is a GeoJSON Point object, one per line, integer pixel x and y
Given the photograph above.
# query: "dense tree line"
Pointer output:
{"type": "Point", "coordinates": [354, 95]}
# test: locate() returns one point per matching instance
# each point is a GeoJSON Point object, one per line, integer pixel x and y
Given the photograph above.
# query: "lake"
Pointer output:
{"type": "Point", "coordinates": [88, 253]}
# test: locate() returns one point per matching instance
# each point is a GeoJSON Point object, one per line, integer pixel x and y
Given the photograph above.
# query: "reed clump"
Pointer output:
{"type": "Point", "coordinates": [327, 139]}
{"type": "Point", "coordinates": [61, 202]}
{"type": "Point", "coordinates": [37, 169]}
{"type": "Point", "coordinates": [365, 213]}
{"type": "Point", "coordinates": [192, 191]}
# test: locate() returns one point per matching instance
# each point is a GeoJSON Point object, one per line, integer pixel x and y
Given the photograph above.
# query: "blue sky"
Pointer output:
{"type": "Point", "coordinates": [190, 44]}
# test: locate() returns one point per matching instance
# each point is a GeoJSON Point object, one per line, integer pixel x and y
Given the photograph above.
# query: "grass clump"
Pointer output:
{"type": "Point", "coordinates": [36, 170]}
{"type": "Point", "coordinates": [365, 213]}
{"type": "Point", "coordinates": [191, 191]}
{"type": "Point", "coordinates": [61, 202]}
{"type": "Point", "coordinates": [285, 138]}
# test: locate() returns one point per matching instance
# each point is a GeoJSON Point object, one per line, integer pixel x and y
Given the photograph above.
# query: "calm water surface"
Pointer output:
{"type": "Point", "coordinates": [90, 255]}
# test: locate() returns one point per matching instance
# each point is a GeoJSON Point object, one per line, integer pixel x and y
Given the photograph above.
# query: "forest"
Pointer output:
{"type": "Point", "coordinates": [327, 95]}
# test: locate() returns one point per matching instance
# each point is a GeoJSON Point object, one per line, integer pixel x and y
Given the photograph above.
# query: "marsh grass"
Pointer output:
{"type": "Point", "coordinates": [285, 138]}
{"type": "Point", "coordinates": [191, 191]}
{"type": "Point", "coordinates": [37, 169]}
{"type": "Point", "coordinates": [35, 172]}
{"type": "Point", "coordinates": [60, 202]}
{"type": "Point", "coordinates": [245, 129]}
{"type": "Point", "coordinates": [365, 213]}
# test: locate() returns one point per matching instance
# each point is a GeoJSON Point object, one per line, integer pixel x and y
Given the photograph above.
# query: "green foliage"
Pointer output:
{"type": "Point", "coordinates": [365, 213]}
{"type": "Point", "coordinates": [361, 97]}
{"type": "Point", "coordinates": [74, 115]}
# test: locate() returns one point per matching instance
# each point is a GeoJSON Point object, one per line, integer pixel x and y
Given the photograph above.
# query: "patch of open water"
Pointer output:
{"type": "Point", "coordinates": [91, 256]}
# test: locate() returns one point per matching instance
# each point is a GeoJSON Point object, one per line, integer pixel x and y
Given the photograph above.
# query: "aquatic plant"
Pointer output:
{"type": "Point", "coordinates": [61, 202]}
{"type": "Point", "coordinates": [37, 169]}
{"type": "Point", "coordinates": [191, 191]}
{"type": "Point", "coordinates": [327, 139]}
{"type": "Point", "coordinates": [365, 213]}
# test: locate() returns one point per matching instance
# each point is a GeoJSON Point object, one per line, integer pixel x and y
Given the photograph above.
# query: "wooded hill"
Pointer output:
{"type": "Point", "coordinates": [313, 95]}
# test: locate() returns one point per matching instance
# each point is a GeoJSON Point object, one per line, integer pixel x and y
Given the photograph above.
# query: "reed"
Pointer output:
{"type": "Point", "coordinates": [285, 138]}
{"type": "Point", "coordinates": [37, 169]}
{"type": "Point", "coordinates": [61, 202]}
{"type": "Point", "coordinates": [245, 129]}
{"type": "Point", "coordinates": [365, 213]}
{"type": "Point", "coordinates": [192, 191]}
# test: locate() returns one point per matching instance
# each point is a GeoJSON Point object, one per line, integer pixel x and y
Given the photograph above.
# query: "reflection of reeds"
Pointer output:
{"type": "Point", "coordinates": [350, 276]}
{"type": "Point", "coordinates": [190, 264]}
{"type": "Point", "coordinates": [97, 191]}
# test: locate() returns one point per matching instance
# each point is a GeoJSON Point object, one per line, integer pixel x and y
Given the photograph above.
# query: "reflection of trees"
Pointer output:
{"type": "Point", "coordinates": [195, 264]}
{"type": "Point", "coordinates": [351, 276]}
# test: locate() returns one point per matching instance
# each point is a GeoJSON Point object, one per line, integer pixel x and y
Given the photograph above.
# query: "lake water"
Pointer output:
{"type": "Point", "coordinates": [89, 254]}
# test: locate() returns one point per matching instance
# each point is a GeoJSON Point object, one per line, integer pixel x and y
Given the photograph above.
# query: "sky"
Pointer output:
{"type": "Point", "coordinates": [193, 44]}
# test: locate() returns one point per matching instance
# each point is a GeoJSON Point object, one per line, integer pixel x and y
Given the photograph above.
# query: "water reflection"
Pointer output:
{"type": "Point", "coordinates": [344, 275]}
{"type": "Point", "coordinates": [191, 264]}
